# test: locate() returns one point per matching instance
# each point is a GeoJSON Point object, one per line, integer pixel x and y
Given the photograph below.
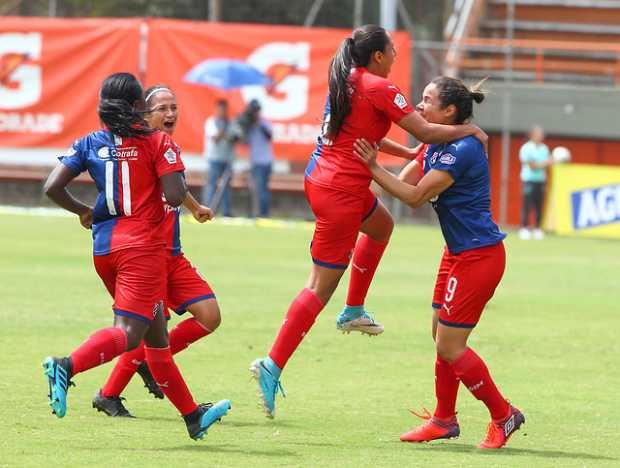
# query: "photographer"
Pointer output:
{"type": "Point", "coordinates": [220, 138]}
{"type": "Point", "coordinates": [257, 134]}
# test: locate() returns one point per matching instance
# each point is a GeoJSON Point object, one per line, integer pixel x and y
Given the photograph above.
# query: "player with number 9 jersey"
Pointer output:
{"type": "Point", "coordinates": [351, 222]}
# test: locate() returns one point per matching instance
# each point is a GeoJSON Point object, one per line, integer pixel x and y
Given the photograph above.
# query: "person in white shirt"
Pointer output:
{"type": "Point", "coordinates": [220, 138]}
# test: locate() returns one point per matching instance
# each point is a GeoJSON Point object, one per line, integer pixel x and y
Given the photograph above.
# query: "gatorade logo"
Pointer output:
{"type": "Point", "coordinates": [596, 207]}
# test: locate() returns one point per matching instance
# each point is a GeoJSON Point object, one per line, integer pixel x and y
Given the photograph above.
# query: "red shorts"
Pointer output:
{"type": "Point", "coordinates": [185, 285]}
{"type": "Point", "coordinates": [135, 279]}
{"type": "Point", "coordinates": [466, 282]}
{"type": "Point", "coordinates": [339, 216]}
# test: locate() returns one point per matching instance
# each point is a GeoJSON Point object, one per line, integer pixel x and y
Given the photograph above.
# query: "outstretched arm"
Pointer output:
{"type": "Point", "coordinates": [396, 149]}
{"type": "Point", "coordinates": [55, 188]}
{"type": "Point", "coordinates": [428, 132]}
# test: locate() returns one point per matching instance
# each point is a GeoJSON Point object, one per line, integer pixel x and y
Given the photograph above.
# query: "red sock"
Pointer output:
{"type": "Point", "coordinates": [101, 347]}
{"type": "Point", "coordinates": [446, 389]}
{"type": "Point", "coordinates": [299, 319]}
{"type": "Point", "coordinates": [473, 372]}
{"type": "Point", "coordinates": [366, 257]}
{"type": "Point", "coordinates": [123, 371]}
{"type": "Point", "coordinates": [185, 333]}
{"type": "Point", "coordinates": [169, 379]}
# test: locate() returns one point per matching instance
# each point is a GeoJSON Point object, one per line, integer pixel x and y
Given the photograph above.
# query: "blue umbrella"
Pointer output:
{"type": "Point", "coordinates": [226, 74]}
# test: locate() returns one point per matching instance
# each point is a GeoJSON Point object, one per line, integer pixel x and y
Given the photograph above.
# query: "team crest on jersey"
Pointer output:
{"type": "Point", "coordinates": [170, 156]}
{"type": "Point", "coordinates": [447, 158]}
{"type": "Point", "coordinates": [400, 101]}
{"type": "Point", "coordinates": [434, 157]}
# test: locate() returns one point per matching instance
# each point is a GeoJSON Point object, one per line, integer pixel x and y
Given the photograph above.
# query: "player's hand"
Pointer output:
{"type": "Point", "coordinates": [86, 219]}
{"type": "Point", "coordinates": [366, 152]}
{"type": "Point", "coordinates": [483, 137]}
{"type": "Point", "coordinates": [202, 214]}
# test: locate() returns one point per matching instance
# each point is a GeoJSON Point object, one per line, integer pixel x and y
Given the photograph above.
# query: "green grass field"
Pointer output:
{"type": "Point", "coordinates": [550, 338]}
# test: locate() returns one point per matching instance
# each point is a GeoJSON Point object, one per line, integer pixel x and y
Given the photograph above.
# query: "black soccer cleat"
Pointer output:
{"type": "Point", "coordinates": [204, 416]}
{"type": "Point", "coordinates": [112, 406]}
{"type": "Point", "coordinates": [149, 381]}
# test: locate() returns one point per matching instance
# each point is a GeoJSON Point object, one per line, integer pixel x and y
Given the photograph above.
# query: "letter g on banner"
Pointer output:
{"type": "Point", "coordinates": [294, 86]}
{"type": "Point", "coordinates": [20, 79]}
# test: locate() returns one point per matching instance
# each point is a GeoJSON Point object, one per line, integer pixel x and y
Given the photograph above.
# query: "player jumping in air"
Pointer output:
{"type": "Point", "coordinates": [131, 166]}
{"type": "Point", "coordinates": [187, 290]}
{"type": "Point", "coordinates": [455, 180]}
{"type": "Point", "coordinates": [362, 103]}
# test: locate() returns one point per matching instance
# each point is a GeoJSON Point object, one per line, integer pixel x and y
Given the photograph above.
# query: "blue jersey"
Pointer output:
{"type": "Point", "coordinates": [464, 209]}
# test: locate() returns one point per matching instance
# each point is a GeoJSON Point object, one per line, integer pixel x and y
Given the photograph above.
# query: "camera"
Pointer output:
{"type": "Point", "coordinates": [249, 116]}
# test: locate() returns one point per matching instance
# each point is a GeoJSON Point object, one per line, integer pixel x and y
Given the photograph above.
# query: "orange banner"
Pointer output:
{"type": "Point", "coordinates": [284, 67]}
{"type": "Point", "coordinates": [51, 70]}
{"type": "Point", "coordinates": [50, 74]}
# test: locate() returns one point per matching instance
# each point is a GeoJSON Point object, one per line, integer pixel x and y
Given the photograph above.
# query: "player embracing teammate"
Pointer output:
{"type": "Point", "coordinates": [362, 103]}
{"type": "Point", "coordinates": [131, 165]}
{"type": "Point", "coordinates": [455, 179]}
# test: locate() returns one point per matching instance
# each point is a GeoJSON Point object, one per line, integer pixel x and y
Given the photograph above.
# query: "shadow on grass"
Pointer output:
{"type": "Point", "coordinates": [204, 447]}
{"type": "Point", "coordinates": [510, 451]}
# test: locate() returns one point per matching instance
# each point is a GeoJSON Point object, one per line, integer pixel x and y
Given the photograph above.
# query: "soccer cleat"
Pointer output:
{"type": "Point", "coordinates": [357, 319]}
{"type": "Point", "coordinates": [433, 429]}
{"type": "Point", "coordinates": [499, 432]}
{"type": "Point", "coordinates": [268, 386]}
{"type": "Point", "coordinates": [58, 372]}
{"type": "Point", "coordinates": [149, 381]}
{"type": "Point", "coordinates": [203, 417]}
{"type": "Point", "coordinates": [112, 406]}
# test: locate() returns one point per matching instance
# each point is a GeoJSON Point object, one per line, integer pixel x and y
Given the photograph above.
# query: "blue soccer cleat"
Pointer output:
{"type": "Point", "coordinates": [355, 318]}
{"type": "Point", "coordinates": [204, 417]}
{"type": "Point", "coordinates": [57, 371]}
{"type": "Point", "coordinates": [267, 374]}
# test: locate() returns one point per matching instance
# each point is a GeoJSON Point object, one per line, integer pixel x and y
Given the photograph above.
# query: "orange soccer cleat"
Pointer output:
{"type": "Point", "coordinates": [433, 429]}
{"type": "Point", "coordinates": [499, 432]}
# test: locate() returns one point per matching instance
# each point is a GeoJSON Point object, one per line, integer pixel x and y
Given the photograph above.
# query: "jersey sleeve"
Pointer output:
{"type": "Point", "coordinates": [167, 156]}
{"type": "Point", "coordinates": [74, 158]}
{"type": "Point", "coordinates": [457, 159]}
{"type": "Point", "coordinates": [420, 159]}
{"type": "Point", "coordinates": [390, 100]}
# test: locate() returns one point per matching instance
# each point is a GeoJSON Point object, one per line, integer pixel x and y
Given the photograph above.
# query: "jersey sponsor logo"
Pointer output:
{"type": "Point", "coordinates": [170, 156]}
{"type": "Point", "coordinates": [400, 101]}
{"type": "Point", "coordinates": [447, 158]}
{"type": "Point", "coordinates": [121, 154]}
{"type": "Point", "coordinates": [595, 207]}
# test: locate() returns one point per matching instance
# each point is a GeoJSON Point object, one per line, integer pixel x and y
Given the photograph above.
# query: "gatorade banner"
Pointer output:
{"type": "Point", "coordinates": [50, 74]}
{"type": "Point", "coordinates": [584, 200]}
{"type": "Point", "coordinates": [284, 68]}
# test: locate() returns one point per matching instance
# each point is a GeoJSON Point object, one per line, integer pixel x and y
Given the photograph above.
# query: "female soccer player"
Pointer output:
{"type": "Point", "coordinates": [362, 103]}
{"type": "Point", "coordinates": [187, 290]}
{"type": "Point", "coordinates": [456, 181]}
{"type": "Point", "coordinates": [131, 166]}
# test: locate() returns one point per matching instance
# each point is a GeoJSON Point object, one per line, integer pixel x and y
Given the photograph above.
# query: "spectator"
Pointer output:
{"type": "Point", "coordinates": [257, 133]}
{"type": "Point", "coordinates": [220, 138]}
{"type": "Point", "coordinates": [535, 158]}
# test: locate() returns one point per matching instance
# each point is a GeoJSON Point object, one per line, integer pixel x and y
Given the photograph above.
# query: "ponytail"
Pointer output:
{"type": "Point", "coordinates": [117, 97]}
{"type": "Point", "coordinates": [476, 91]}
{"type": "Point", "coordinates": [339, 88]}
{"type": "Point", "coordinates": [353, 51]}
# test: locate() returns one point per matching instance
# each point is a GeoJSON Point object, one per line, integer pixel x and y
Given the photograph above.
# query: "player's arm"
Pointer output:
{"type": "Point", "coordinates": [396, 149]}
{"type": "Point", "coordinates": [174, 187]}
{"type": "Point", "coordinates": [428, 132]}
{"type": "Point", "coordinates": [55, 188]}
{"type": "Point", "coordinates": [200, 212]}
{"type": "Point", "coordinates": [412, 173]}
{"type": "Point", "coordinates": [431, 185]}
